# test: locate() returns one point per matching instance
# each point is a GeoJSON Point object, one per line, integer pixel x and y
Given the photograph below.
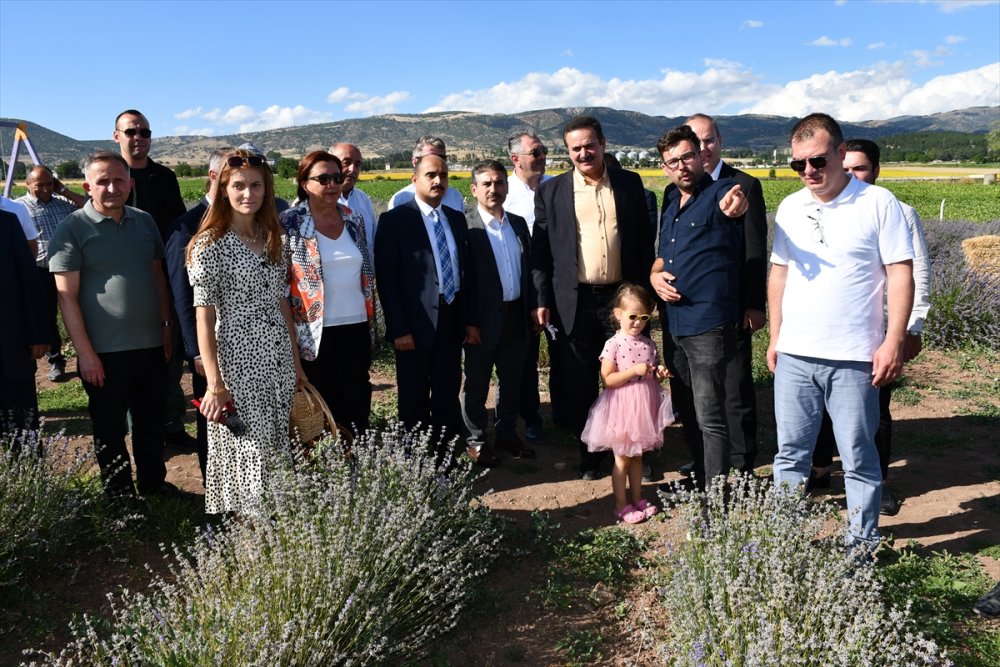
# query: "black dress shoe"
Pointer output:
{"type": "Point", "coordinates": [818, 481]}
{"type": "Point", "coordinates": [181, 441]}
{"type": "Point", "coordinates": [590, 475]}
{"type": "Point", "coordinates": [673, 493]}
{"type": "Point", "coordinates": [687, 469]}
{"type": "Point", "coordinates": [516, 448]}
{"type": "Point", "coordinates": [165, 490]}
{"type": "Point", "coordinates": [889, 505]}
{"type": "Point", "coordinates": [483, 456]}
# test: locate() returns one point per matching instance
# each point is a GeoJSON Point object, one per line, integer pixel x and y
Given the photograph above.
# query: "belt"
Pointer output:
{"type": "Point", "coordinates": [599, 289]}
{"type": "Point", "coordinates": [508, 305]}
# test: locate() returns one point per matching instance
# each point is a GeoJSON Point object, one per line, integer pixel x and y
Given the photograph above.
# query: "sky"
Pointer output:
{"type": "Point", "coordinates": [216, 68]}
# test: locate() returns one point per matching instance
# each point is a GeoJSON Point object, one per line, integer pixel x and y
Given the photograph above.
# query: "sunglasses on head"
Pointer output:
{"type": "Point", "coordinates": [537, 152]}
{"type": "Point", "coordinates": [236, 161]}
{"type": "Point", "coordinates": [143, 132]}
{"type": "Point", "coordinates": [326, 179]}
{"type": "Point", "coordinates": [634, 316]}
{"type": "Point", "coordinates": [799, 166]}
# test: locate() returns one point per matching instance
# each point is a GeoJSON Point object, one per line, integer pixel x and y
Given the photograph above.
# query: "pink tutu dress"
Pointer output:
{"type": "Point", "coordinates": [629, 419]}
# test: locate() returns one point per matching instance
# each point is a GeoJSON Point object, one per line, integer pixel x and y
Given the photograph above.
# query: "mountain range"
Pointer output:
{"type": "Point", "coordinates": [482, 134]}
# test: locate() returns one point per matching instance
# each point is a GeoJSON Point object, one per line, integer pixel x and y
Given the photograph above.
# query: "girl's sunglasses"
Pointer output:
{"type": "Point", "coordinates": [634, 316]}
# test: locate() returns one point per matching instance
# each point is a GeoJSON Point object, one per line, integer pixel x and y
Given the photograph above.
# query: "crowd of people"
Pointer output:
{"type": "Point", "coordinates": [259, 296]}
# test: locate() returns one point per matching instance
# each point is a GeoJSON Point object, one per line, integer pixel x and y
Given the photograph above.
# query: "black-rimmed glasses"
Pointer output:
{"type": "Point", "coordinates": [236, 161]}
{"type": "Point", "coordinates": [143, 132]}
{"type": "Point", "coordinates": [799, 166]}
{"type": "Point", "coordinates": [673, 163]}
{"type": "Point", "coordinates": [536, 152]}
{"type": "Point", "coordinates": [326, 179]}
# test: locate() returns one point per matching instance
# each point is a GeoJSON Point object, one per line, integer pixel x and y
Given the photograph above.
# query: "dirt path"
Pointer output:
{"type": "Point", "coordinates": [946, 466]}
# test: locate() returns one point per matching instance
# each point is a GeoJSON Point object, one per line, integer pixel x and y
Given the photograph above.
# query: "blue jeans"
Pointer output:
{"type": "Point", "coordinates": [698, 364]}
{"type": "Point", "coordinates": [802, 386]}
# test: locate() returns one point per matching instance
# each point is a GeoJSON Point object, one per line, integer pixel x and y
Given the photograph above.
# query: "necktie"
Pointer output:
{"type": "Point", "coordinates": [447, 272]}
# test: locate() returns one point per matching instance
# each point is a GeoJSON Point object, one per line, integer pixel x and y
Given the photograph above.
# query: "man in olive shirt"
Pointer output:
{"type": "Point", "coordinates": [107, 259]}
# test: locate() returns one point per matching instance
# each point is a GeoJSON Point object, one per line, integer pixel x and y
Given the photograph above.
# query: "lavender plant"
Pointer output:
{"type": "Point", "coordinates": [48, 498]}
{"type": "Point", "coordinates": [965, 306]}
{"type": "Point", "coordinates": [364, 559]}
{"type": "Point", "coordinates": [762, 579]}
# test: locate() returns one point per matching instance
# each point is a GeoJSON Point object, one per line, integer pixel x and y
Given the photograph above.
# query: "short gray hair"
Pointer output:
{"type": "Point", "coordinates": [104, 156]}
{"type": "Point", "coordinates": [215, 162]}
{"type": "Point", "coordinates": [436, 142]}
{"type": "Point", "coordinates": [514, 144]}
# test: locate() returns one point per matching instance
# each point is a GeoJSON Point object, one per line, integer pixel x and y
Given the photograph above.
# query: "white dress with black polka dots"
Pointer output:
{"type": "Point", "coordinates": [255, 359]}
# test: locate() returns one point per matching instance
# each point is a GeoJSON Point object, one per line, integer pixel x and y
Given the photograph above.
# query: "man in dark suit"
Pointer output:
{"type": "Point", "coordinates": [591, 233]}
{"type": "Point", "coordinates": [424, 279]}
{"type": "Point", "coordinates": [500, 248]}
{"type": "Point", "coordinates": [23, 333]}
{"type": "Point", "coordinates": [741, 401]}
{"type": "Point", "coordinates": [178, 238]}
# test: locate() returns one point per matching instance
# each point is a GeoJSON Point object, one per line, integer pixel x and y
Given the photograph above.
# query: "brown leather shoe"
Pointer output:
{"type": "Point", "coordinates": [483, 456]}
{"type": "Point", "coordinates": [516, 448]}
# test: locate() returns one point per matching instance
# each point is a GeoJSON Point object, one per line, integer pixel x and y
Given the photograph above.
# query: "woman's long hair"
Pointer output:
{"type": "Point", "coordinates": [215, 224]}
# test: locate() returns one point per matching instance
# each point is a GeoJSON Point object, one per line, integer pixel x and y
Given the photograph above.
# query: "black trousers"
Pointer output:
{"type": "Point", "coordinates": [741, 404]}
{"type": "Point", "coordinates": [577, 365]}
{"type": "Point", "coordinates": [340, 373]}
{"type": "Point", "coordinates": [529, 400]}
{"type": "Point", "coordinates": [428, 380]}
{"type": "Point", "coordinates": [199, 385]}
{"type": "Point", "coordinates": [18, 399]}
{"type": "Point", "coordinates": [133, 382]}
{"type": "Point", "coordinates": [826, 443]}
{"type": "Point", "coordinates": [51, 305]}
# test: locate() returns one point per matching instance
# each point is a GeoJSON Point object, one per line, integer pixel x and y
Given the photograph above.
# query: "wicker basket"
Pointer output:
{"type": "Point", "coordinates": [310, 416]}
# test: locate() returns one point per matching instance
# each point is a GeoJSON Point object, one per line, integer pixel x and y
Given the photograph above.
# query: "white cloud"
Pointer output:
{"type": "Point", "coordinates": [365, 104]}
{"type": "Point", "coordinates": [883, 91]}
{"type": "Point", "coordinates": [751, 23]}
{"type": "Point", "coordinates": [826, 41]}
{"type": "Point", "coordinates": [877, 45]}
{"type": "Point", "coordinates": [247, 119]}
{"type": "Point", "coordinates": [188, 113]}
{"type": "Point", "coordinates": [568, 53]}
{"type": "Point", "coordinates": [952, 6]}
{"type": "Point", "coordinates": [953, 39]}
{"type": "Point", "coordinates": [719, 84]}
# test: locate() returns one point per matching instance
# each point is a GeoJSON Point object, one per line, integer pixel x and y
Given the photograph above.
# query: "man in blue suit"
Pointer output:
{"type": "Point", "coordinates": [422, 273]}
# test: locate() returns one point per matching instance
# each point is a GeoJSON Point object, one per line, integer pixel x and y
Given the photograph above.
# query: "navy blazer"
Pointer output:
{"type": "Point", "coordinates": [753, 255]}
{"type": "Point", "coordinates": [178, 238]}
{"type": "Point", "coordinates": [554, 241]}
{"type": "Point", "coordinates": [406, 275]}
{"type": "Point", "coordinates": [489, 289]}
{"type": "Point", "coordinates": [22, 308]}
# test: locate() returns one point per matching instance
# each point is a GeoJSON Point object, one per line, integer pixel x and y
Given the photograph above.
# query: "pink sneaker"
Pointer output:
{"type": "Point", "coordinates": [647, 508]}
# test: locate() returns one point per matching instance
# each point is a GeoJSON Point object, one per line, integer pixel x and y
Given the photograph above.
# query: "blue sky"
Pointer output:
{"type": "Point", "coordinates": [222, 67]}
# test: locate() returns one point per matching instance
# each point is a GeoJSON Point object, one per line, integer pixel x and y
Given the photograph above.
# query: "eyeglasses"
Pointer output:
{"type": "Point", "coordinates": [253, 160]}
{"type": "Point", "coordinates": [536, 152]}
{"type": "Point", "coordinates": [673, 163]}
{"type": "Point", "coordinates": [635, 316]}
{"type": "Point", "coordinates": [326, 179]}
{"type": "Point", "coordinates": [799, 166]}
{"type": "Point", "coordinates": [709, 141]}
{"type": "Point", "coordinates": [817, 220]}
{"type": "Point", "coordinates": [143, 132]}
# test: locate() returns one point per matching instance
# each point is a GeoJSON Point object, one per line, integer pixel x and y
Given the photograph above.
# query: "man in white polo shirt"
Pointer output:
{"type": "Point", "coordinates": [840, 246]}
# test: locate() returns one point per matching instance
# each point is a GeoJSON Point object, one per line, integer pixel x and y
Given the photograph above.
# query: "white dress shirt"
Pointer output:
{"type": "Point", "coordinates": [521, 199]}
{"type": "Point", "coordinates": [361, 203]}
{"type": "Point", "coordinates": [506, 251]}
{"type": "Point", "coordinates": [452, 198]}
{"type": "Point", "coordinates": [425, 213]}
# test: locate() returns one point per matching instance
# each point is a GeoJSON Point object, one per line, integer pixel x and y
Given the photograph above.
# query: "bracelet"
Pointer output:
{"type": "Point", "coordinates": [218, 392]}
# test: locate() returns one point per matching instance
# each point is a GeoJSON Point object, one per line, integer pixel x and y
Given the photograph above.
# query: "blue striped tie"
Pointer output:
{"type": "Point", "coordinates": [447, 272]}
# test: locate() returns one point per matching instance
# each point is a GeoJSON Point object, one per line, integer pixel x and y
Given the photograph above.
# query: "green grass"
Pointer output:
{"type": "Point", "coordinates": [581, 646]}
{"type": "Point", "coordinates": [68, 397]}
{"type": "Point", "coordinates": [941, 589]}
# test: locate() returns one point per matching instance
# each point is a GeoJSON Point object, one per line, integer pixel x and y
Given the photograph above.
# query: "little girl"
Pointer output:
{"type": "Point", "coordinates": [630, 415]}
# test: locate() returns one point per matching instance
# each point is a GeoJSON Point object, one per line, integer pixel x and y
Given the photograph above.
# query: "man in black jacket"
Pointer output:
{"type": "Point", "coordinates": [156, 192]}
{"type": "Point", "coordinates": [615, 244]}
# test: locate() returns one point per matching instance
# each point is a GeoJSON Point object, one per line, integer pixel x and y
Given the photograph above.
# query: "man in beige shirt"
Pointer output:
{"type": "Point", "coordinates": [591, 234]}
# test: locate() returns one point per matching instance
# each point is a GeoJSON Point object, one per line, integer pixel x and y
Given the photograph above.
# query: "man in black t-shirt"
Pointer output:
{"type": "Point", "coordinates": [156, 192]}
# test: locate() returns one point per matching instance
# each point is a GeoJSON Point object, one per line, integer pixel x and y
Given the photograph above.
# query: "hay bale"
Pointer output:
{"type": "Point", "coordinates": [982, 255]}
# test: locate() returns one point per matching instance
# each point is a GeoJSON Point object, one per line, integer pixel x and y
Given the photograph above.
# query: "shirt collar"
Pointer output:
{"type": "Point", "coordinates": [97, 216]}
{"type": "Point", "coordinates": [579, 181]}
{"type": "Point", "coordinates": [426, 208]}
{"type": "Point", "coordinates": [488, 217]}
{"type": "Point", "coordinates": [849, 192]}
{"type": "Point", "coordinates": [715, 172]}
